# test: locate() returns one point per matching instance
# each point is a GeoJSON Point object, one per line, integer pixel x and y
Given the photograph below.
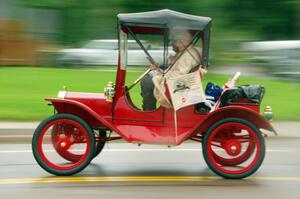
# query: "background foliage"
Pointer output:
{"type": "Point", "coordinates": [252, 19]}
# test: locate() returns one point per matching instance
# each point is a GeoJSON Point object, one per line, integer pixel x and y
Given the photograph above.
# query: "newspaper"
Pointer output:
{"type": "Point", "coordinates": [186, 90]}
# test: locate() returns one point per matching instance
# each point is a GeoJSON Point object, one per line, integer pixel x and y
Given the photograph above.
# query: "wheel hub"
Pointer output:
{"type": "Point", "coordinates": [233, 147]}
{"type": "Point", "coordinates": [63, 144]}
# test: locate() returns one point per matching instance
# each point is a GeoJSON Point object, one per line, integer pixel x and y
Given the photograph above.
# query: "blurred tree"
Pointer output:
{"type": "Point", "coordinates": [83, 20]}
{"type": "Point", "coordinates": [268, 19]}
{"type": "Point", "coordinates": [255, 19]}
{"type": "Point", "coordinates": [142, 6]}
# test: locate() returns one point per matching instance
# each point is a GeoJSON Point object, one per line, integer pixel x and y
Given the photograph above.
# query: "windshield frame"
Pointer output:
{"type": "Point", "coordinates": [166, 40]}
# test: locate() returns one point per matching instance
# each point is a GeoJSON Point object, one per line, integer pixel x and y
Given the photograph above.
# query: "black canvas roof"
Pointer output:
{"type": "Point", "coordinates": [165, 18]}
{"type": "Point", "coordinates": [160, 20]}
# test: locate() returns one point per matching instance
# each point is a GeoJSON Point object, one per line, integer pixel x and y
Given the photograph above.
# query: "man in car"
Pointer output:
{"type": "Point", "coordinates": [153, 84]}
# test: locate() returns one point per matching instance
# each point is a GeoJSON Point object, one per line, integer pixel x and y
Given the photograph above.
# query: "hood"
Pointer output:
{"type": "Point", "coordinates": [80, 96]}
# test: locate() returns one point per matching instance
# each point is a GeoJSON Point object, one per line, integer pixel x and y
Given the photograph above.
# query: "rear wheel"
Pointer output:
{"type": "Point", "coordinates": [63, 144]}
{"type": "Point", "coordinates": [233, 148]}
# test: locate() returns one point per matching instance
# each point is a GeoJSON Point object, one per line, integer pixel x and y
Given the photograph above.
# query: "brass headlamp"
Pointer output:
{"type": "Point", "coordinates": [109, 91]}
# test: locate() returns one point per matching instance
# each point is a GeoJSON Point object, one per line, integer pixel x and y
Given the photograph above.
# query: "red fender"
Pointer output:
{"type": "Point", "coordinates": [234, 112]}
{"type": "Point", "coordinates": [81, 110]}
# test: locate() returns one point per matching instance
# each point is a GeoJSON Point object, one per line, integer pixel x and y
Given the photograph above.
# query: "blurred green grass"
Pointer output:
{"type": "Point", "coordinates": [22, 90]}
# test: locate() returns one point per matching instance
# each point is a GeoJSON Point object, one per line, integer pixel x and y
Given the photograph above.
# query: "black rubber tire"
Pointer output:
{"type": "Point", "coordinates": [100, 144]}
{"type": "Point", "coordinates": [54, 171]}
{"type": "Point", "coordinates": [234, 176]}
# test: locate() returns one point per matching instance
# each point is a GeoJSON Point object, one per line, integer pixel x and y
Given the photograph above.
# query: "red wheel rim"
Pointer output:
{"type": "Point", "coordinates": [230, 163]}
{"type": "Point", "coordinates": [52, 155]}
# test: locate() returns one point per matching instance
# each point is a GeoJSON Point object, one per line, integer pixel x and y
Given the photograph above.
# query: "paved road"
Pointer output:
{"type": "Point", "coordinates": [128, 171]}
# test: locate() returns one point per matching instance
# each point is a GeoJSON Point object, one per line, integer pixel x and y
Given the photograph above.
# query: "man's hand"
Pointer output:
{"type": "Point", "coordinates": [153, 67]}
{"type": "Point", "coordinates": [202, 73]}
{"type": "Point", "coordinates": [171, 58]}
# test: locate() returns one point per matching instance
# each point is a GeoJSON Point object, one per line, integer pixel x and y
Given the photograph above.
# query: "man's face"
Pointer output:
{"type": "Point", "coordinates": [175, 47]}
{"type": "Point", "coordinates": [178, 46]}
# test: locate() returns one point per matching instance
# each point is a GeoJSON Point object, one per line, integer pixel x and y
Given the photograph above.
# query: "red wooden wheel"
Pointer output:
{"type": "Point", "coordinates": [233, 148]}
{"type": "Point", "coordinates": [63, 144]}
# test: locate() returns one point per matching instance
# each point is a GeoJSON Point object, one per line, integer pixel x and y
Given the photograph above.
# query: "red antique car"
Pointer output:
{"type": "Point", "coordinates": [232, 141]}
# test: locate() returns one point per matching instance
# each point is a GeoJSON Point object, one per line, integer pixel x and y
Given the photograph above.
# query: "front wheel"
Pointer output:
{"type": "Point", "coordinates": [233, 148]}
{"type": "Point", "coordinates": [70, 151]}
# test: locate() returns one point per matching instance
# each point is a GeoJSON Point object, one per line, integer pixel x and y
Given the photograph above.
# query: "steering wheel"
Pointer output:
{"type": "Point", "coordinates": [143, 75]}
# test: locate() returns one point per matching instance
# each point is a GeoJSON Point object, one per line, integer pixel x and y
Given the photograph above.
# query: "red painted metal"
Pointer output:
{"type": "Point", "coordinates": [237, 111]}
{"type": "Point", "coordinates": [233, 147]}
{"type": "Point", "coordinates": [85, 112]}
{"type": "Point", "coordinates": [246, 104]}
{"type": "Point", "coordinates": [150, 126]}
{"type": "Point", "coordinates": [125, 112]}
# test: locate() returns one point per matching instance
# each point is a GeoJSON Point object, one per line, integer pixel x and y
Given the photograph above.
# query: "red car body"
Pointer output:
{"type": "Point", "coordinates": [157, 126]}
